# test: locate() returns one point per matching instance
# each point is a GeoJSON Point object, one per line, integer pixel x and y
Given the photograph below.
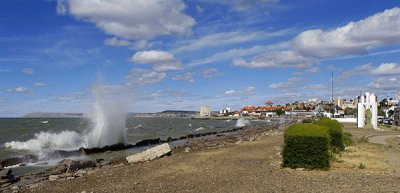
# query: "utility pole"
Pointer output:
{"type": "Point", "coordinates": [332, 86]}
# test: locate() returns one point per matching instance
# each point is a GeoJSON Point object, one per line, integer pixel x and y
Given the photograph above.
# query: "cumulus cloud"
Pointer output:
{"type": "Point", "coordinates": [246, 91]}
{"type": "Point", "coordinates": [28, 71]}
{"type": "Point", "coordinates": [187, 76]}
{"type": "Point", "coordinates": [139, 76]}
{"type": "Point", "coordinates": [19, 89]}
{"type": "Point", "coordinates": [384, 69]}
{"type": "Point", "coordinates": [152, 56]}
{"type": "Point", "coordinates": [116, 42]}
{"type": "Point", "coordinates": [355, 38]}
{"type": "Point", "coordinates": [39, 84]}
{"type": "Point", "coordinates": [133, 20]}
{"type": "Point", "coordinates": [161, 60]}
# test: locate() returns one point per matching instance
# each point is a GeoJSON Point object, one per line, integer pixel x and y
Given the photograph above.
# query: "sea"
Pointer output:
{"type": "Point", "coordinates": [42, 136]}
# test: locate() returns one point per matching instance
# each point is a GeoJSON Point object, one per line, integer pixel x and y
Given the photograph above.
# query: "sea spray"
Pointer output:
{"type": "Point", "coordinates": [108, 117]}
{"type": "Point", "coordinates": [242, 122]}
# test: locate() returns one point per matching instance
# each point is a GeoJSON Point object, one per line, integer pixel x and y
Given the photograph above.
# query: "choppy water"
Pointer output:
{"type": "Point", "coordinates": [22, 136]}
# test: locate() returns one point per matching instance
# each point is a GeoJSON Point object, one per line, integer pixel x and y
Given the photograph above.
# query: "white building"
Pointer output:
{"type": "Point", "coordinates": [367, 103]}
{"type": "Point", "coordinates": [205, 111]}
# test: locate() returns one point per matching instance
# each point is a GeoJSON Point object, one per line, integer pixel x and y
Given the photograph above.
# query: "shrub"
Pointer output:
{"type": "Point", "coordinates": [335, 131]}
{"type": "Point", "coordinates": [307, 121]}
{"type": "Point", "coordinates": [306, 146]}
{"type": "Point", "coordinates": [347, 139]}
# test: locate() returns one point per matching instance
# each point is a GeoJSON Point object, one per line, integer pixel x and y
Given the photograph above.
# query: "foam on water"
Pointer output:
{"type": "Point", "coordinates": [66, 140]}
{"type": "Point", "coordinates": [242, 122]}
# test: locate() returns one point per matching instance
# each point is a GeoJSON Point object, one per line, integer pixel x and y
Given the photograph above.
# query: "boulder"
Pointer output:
{"type": "Point", "coordinates": [150, 154]}
{"type": "Point", "coordinates": [5, 173]}
{"type": "Point", "coordinates": [68, 165]}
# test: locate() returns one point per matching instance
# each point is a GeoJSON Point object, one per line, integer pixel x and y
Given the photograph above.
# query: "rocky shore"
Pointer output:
{"type": "Point", "coordinates": [245, 161]}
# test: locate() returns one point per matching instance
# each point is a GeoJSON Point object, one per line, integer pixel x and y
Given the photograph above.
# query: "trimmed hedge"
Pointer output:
{"type": "Point", "coordinates": [306, 146]}
{"type": "Point", "coordinates": [335, 131]}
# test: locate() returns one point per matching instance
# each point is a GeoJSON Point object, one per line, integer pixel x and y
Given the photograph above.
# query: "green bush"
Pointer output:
{"type": "Point", "coordinates": [307, 121]}
{"type": "Point", "coordinates": [306, 146]}
{"type": "Point", "coordinates": [347, 139]}
{"type": "Point", "coordinates": [335, 131]}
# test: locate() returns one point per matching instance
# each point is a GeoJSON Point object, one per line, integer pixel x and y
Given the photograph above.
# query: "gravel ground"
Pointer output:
{"type": "Point", "coordinates": [250, 166]}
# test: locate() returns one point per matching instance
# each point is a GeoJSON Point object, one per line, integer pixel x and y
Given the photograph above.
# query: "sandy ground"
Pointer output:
{"type": "Point", "coordinates": [246, 167]}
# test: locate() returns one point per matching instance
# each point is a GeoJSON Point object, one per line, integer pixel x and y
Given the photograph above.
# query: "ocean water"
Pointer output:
{"type": "Point", "coordinates": [39, 136]}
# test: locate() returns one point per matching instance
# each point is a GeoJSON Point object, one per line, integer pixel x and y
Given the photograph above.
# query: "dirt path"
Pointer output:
{"type": "Point", "coordinates": [381, 139]}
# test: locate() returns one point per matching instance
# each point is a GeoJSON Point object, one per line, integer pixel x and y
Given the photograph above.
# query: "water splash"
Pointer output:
{"type": "Point", "coordinates": [108, 117]}
{"type": "Point", "coordinates": [242, 122]}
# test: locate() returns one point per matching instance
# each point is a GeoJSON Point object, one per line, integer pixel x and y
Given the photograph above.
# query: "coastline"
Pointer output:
{"type": "Point", "coordinates": [245, 162]}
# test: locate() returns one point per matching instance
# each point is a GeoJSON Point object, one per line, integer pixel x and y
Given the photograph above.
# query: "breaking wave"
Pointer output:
{"type": "Point", "coordinates": [65, 140]}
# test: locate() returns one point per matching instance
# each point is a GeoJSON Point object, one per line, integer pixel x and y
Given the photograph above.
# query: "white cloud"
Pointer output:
{"type": "Point", "coordinates": [387, 69]}
{"type": "Point", "coordinates": [383, 69]}
{"type": "Point", "coordinates": [133, 20]}
{"type": "Point", "coordinates": [139, 76]}
{"type": "Point", "coordinates": [39, 84]}
{"type": "Point", "coordinates": [116, 42]}
{"type": "Point", "coordinates": [28, 70]}
{"type": "Point", "coordinates": [230, 92]}
{"type": "Point", "coordinates": [239, 52]}
{"type": "Point", "coordinates": [211, 72]}
{"type": "Point", "coordinates": [247, 5]}
{"type": "Point", "coordinates": [152, 56]}
{"type": "Point", "coordinates": [19, 89]}
{"type": "Point", "coordinates": [169, 66]}
{"type": "Point", "coordinates": [187, 76]}
{"type": "Point", "coordinates": [290, 83]}
{"type": "Point", "coordinates": [276, 59]}
{"type": "Point", "coordinates": [226, 38]}
{"type": "Point", "coordinates": [171, 93]}
{"type": "Point", "coordinates": [385, 84]}
{"type": "Point", "coordinates": [199, 9]}
{"type": "Point", "coordinates": [355, 38]}
{"type": "Point", "coordinates": [246, 91]}
{"type": "Point", "coordinates": [161, 60]}
{"type": "Point", "coordinates": [315, 87]}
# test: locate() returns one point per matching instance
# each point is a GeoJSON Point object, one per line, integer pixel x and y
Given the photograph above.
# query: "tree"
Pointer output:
{"type": "Point", "coordinates": [349, 111]}
{"type": "Point", "coordinates": [280, 112]}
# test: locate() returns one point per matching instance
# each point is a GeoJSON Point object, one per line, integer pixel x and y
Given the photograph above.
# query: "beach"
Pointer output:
{"type": "Point", "coordinates": [247, 162]}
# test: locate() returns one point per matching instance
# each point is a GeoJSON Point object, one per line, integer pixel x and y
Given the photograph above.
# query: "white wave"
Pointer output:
{"type": "Point", "coordinates": [66, 140]}
{"type": "Point", "coordinates": [242, 122]}
{"type": "Point", "coordinates": [199, 129]}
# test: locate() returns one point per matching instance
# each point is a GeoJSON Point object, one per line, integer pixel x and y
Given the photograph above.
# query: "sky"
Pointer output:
{"type": "Point", "coordinates": [183, 54]}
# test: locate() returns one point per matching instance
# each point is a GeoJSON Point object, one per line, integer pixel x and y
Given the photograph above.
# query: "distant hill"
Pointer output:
{"type": "Point", "coordinates": [53, 115]}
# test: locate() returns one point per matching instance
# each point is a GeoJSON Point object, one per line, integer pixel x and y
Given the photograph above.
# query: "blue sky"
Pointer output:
{"type": "Point", "coordinates": [177, 54]}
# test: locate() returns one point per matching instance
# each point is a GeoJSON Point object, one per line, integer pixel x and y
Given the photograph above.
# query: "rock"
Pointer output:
{"type": "Point", "coordinates": [68, 165]}
{"type": "Point", "coordinates": [187, 149]}
{"type": "Point", "coordinates": [1, 167]}
{"type": "Point", "coordinates": [239, 142]}
{"type": "Point", "coordinates": [150, 154]}
{"type": "Point", "coordinates": [54, 177]}
{"type": "Point", "coordinates": [80, 173]}
{"type": "Point", "coordinates": [70, 178]}
{"type": "Point", "coordinates": [5, 173]}
{"type": "Point", "coordinates": [299, 169]}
